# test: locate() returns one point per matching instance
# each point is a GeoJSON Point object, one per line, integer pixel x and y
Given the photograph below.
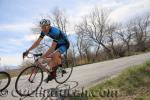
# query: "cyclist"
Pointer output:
{"type": "Point", "coordinates": [60, 43]}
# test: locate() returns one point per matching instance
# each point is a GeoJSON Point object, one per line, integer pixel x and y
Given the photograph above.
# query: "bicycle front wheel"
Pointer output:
{"type": "Point", "coordinates": [4, 80]}
{"type": "Point", "coordinates": [29, 80]}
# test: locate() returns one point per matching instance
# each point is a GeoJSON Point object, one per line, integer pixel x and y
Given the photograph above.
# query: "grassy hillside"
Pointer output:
{"type": "Point", "coordinates": [131, 84]}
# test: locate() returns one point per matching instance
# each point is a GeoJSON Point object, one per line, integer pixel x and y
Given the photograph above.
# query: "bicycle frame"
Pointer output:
{"type": "Point", "coordinates": [34, 71]}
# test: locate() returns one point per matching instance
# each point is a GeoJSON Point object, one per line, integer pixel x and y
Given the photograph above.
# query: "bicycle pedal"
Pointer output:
{"type": "Point", "coordinates": [31, 81]}
{"type": "Point", "coordinates": [64, 72]}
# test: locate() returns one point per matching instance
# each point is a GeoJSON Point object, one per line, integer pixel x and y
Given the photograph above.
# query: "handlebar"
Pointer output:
{"type": "Point", "coordinates": [32, 55]}
{"type": "Point", "coordinates": [38, 55]}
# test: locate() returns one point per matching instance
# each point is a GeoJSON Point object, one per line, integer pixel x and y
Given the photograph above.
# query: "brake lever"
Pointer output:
{"type": "Point", "coordinates": [38, 54]}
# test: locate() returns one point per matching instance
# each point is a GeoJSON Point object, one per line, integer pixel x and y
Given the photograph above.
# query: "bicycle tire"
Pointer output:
{"type": "Point", "coordinates": [16, 83]}
{"type": "Point", "coordinates": [61, 82]}
{"type": "Point", "coordinates": [9, 79]}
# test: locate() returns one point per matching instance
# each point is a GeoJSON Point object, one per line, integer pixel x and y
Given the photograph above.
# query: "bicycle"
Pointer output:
{"type": "Point", "coordinates": [4, 80]}
{"type": "Point", "coordinates": [36, 71]}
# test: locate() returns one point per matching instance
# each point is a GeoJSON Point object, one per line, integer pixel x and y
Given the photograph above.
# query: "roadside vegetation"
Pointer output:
{"type": "Point", "coordinates": [132, 84]}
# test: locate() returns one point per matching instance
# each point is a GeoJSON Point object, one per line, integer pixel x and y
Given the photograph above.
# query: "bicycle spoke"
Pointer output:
{"type": "Point", "coordinates": [61, 76]}
{"type": "Point", "coordinates": [4, 80]}
{"type": "Point", "coordinates": [29, 82]}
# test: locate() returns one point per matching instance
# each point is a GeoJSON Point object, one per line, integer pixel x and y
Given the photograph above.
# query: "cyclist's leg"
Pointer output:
{"type": "Point", "coordinates": [53, 64]}
{"type": "Point", "coordinates": [52, 61]}
{"type": "Point", "coordinates": [56, 59]}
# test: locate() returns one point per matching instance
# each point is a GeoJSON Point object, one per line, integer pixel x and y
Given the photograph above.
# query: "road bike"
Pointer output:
{"type": "Point", "coordinates": [30, 79]}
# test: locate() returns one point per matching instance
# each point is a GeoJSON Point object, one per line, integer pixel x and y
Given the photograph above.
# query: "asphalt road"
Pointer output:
{"type": "Point", "coordinates": [82, 77]}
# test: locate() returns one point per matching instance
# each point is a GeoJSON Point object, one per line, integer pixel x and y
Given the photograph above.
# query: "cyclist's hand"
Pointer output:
{"type": "Point", "coordinates": [25, 54]}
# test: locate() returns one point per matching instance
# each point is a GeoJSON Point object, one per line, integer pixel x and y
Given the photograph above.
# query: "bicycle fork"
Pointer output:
{"type": "Point", "coordinates": [33, 74]}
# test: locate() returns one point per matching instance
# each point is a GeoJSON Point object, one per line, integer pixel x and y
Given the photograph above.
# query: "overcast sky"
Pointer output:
{"type": "Point", "coordinates": [18, 17]}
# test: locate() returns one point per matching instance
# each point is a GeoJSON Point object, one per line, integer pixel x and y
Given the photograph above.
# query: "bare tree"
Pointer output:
{"type": "Point", "coordinates": [59, 19]}
{"type": "Point", "coordinates": [83, 44]}
{"type": "Point", "coordinates": [79, 45]}
{"type": "Point", "coordinates": [140, 29]}
{"type": "Point", "coordinates": [94, 28]}
{"type": "Point", "coordinates": [86, 48]}
{"type": "Point", "coordinates": [126, 34]}
{"type": "Point", "coordinates": [73, 53]}
{"type": "Point", "coordinates": [112, 37]}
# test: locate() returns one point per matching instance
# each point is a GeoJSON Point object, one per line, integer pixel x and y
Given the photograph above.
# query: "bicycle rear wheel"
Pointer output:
{"type": "Point", "coordinates": [29, 80]}
{"type": "Point", "coordinates": [4, 80]}
{"type": "Point", "coordinates": [63, 72]}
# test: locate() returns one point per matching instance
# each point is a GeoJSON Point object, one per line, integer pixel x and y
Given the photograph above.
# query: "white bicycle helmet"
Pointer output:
{"type": "Point", "coordinates": [45, 22]}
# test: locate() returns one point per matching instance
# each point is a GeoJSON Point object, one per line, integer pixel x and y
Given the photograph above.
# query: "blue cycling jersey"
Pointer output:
{"type": "Point", "coordinates": [57, 35]}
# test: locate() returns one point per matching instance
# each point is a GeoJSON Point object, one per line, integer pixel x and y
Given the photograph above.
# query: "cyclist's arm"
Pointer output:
{"type": "Point", "coordinates": [50, 50]}
{"type": "Point", "coordinates": [36, 43]}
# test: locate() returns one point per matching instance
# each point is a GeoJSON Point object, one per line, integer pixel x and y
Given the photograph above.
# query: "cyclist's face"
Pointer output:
{"type": "Point", "coordinates": [45, 28]}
